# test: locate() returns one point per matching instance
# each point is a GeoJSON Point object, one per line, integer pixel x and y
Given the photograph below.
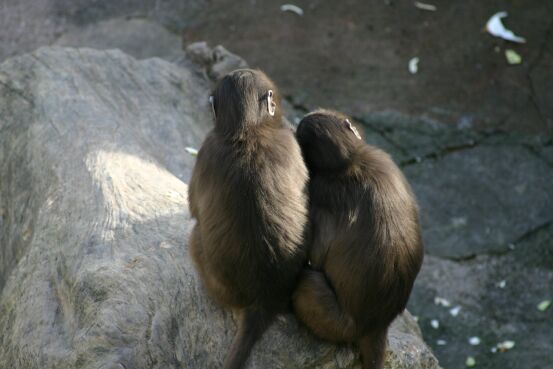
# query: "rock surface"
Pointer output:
{"type": "Point", "coordinates": [493, 196]}
{"type": "Point", "coordinates": [217, 61]}
{"type": "Point", "coordinates": [141, 38]}
{"type": "Point", "coordinates": [94, 271]}
{"type": "Point", "coordinates": [139, 27]}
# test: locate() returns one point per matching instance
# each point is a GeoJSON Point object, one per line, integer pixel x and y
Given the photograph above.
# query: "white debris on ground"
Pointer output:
{"type": "Point", "coordinates": [414, 65]}
{"type": "Point", "coordinates": [425, 6]}
{"type": "Point", "coordinates": [434, 323]}
{"type": "Point", "coordinates": [192, 151]}
{"type": "Point", "coordinates": [470, 362]}
{"type": "Point", "coordinates": [503, 346]}
{"type": "Point", "coordinates": [441, 301]}
{"type": "Point", "coordinates": [496, 28]}
{"type": "Point", "coordinates": [474, 341]}
{"type": "Point", "coordinates": [455, 310]}
{"type": "Point", "coordinates": [513, 57]}
{"type": "Point", "coordinates": [544, 305]}
{"type": "Point", "coordinates": [292, 8]}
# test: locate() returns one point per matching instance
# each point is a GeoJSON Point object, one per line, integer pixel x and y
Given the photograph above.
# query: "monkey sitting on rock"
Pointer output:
{"type": "Point", "coordinates": [365, 242]}
{"type": "Point", "coordinates": [248, 195]}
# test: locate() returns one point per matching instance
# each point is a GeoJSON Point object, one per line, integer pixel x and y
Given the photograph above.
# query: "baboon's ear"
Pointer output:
{"type": "Point", "coordinates": [212, 102]}
{"type": "Point", "coordinates": [352, 128]}
{"type": "Point", "coordinates": [271, 105]}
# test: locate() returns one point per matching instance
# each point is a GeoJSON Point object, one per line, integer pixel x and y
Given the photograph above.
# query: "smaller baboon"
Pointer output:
{"type": "Point", "coordinates": [365, 243]}
{"type": "Point", "coordinates": [248, 195]}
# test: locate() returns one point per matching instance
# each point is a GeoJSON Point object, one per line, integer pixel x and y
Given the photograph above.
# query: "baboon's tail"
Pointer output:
{"type": "Point", "coordinates": [373, 348]}
{"type": "Point", "coordinates": [251, 325]}
{"type": "Point", "coordinates": [316, 305]}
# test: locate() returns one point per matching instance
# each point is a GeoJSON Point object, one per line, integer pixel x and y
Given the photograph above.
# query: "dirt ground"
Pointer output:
{"type": "Point", "coordinates": [353, 56]}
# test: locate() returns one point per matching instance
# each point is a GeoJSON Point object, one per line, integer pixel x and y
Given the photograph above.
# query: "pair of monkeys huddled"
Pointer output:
{"type": "Point", "coordinates": [330, 225]}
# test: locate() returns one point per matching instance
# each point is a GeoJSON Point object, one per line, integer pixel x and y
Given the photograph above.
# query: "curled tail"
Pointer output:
{"type": "Point", "coordinates": [316, 305]}
{"type": "Point", "coordinates": [373, 348]}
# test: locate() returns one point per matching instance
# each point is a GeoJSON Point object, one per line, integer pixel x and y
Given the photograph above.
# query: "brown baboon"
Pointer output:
{"type": "Point", "coordinates": [365, 243]}
{"type": "Point", "coordinates": [248, 195]}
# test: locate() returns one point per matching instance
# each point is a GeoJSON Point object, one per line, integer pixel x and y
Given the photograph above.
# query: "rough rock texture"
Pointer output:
{"type": "Point", "coordinates": [94, 271]}
{"type": "Point", "coordinates": [217, 61]}
{"type": "Point", "coordinates": [494, 197]}
{"type": "Point", "coordinates": [141, 38]}
{"type": "Point", "coordinates": [139, 27]}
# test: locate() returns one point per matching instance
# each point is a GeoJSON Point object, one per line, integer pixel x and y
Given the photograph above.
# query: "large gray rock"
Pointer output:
{"type": "Point", "coordinates": [94, 270]}
{"type": "Point", "coordinates": [482, 200]}
{"type": "Point", "coordinates": [141, 38]}
{"type": "Point", "coordinates": [139, 27]}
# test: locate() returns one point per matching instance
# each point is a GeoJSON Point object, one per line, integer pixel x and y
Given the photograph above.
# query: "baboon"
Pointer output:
{"type": "Point", "coordinates": [365, 243]}
{"type": "Point", "coordinates": [248, 195]}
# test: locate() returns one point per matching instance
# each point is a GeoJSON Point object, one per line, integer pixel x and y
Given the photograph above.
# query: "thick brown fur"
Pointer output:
{"type": "Point", "coordinates": [248, 195]}
{"type": "Point", "coordinates": [365, 242]}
